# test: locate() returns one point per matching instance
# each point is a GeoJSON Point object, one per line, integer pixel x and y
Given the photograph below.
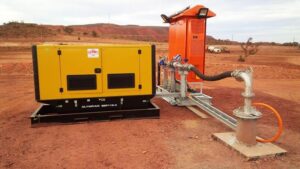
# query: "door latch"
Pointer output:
{"type": "Point", "coordinates": [97, 70]}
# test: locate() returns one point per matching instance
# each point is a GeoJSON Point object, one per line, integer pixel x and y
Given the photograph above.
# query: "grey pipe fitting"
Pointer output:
{"type": "Point", "coordinates": [247, 111]}
{"type": "Point", "coordinates": [247, 115]}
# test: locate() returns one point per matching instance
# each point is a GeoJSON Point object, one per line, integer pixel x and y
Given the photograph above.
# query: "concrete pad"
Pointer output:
{"type": "Point", "coordinates": [260, 150]}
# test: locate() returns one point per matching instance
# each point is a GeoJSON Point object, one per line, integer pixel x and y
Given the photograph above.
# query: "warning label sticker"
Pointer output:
{"type": "Point", "coordinates": [93, 53]}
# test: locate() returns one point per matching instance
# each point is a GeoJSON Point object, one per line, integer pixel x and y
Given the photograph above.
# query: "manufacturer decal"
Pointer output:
{"type": "Point", "coordinates": [93, 53]}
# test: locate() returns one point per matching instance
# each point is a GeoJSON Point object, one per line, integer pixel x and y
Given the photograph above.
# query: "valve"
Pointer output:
{"type": "Point", "coordinates": [162, 61]}
{"type": "Point", "coordinates": [177, 58]}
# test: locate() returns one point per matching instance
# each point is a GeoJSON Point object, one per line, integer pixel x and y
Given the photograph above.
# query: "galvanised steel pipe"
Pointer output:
{"type": "Point", "coordinates": [246, 77]}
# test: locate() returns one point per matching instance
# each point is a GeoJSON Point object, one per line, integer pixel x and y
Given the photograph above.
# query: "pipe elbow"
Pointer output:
{"type": "Point", "coordinates": [246, 77]}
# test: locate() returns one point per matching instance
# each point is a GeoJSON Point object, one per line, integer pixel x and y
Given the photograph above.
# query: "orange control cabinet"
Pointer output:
{"type": "Point", "coordinates": [187, 34]}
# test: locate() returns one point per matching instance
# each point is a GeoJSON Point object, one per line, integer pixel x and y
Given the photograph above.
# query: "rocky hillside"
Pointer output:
{"type": "Point", "coordinates": [109, 31]}
{"type": "Point", "coordinates": [24, 30]}
{"type": "Point", "coordinates": [19, 30]}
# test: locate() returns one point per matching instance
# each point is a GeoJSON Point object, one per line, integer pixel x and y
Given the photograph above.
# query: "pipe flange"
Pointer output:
{"type": "Point", "coordinates": [252, 115]}
{"type": "Point", "coordinates": [183, 72]}
{"type": "Point", "coordinates": [248, 95]}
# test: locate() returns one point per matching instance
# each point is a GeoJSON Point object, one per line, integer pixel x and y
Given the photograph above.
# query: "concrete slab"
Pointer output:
{"type": "Point", "coordinates": [260, 150]}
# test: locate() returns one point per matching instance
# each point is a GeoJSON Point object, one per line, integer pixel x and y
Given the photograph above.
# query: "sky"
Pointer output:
{"type": "Point", "coordinates": [264, 20]}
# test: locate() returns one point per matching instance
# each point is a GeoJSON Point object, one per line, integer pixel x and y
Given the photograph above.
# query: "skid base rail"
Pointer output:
{"type": "Point", "coordinates": [199, 100]}
{"type": "Point", "coordinates": [47, 114]}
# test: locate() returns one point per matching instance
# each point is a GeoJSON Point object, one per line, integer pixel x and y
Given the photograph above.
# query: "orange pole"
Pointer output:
{"type": "Point", "coordinates": [279, 121]}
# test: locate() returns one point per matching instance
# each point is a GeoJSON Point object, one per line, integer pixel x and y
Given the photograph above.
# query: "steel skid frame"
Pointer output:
{"type": "Point", "coordinates": [199, 100]}
{"type": "Point", "coordinates": [48, 114]}
{"type": "Point", "coordinates": [176, 93]}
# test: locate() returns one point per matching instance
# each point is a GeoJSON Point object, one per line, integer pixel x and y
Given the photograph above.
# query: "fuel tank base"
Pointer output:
{"type": "Point", "coordinates": [46, 114]}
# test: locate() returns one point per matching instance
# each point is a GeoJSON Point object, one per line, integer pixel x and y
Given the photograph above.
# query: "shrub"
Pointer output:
{"type": "Point", "coordinates": [249, 48]}
{"type": "Point", "coordinates": [69, 30]}
{"type": "Point", "coordinates": [94, 34]}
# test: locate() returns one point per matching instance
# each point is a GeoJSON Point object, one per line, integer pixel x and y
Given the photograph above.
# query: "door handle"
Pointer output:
{"type": "Point", "coordinates": [97, 70]}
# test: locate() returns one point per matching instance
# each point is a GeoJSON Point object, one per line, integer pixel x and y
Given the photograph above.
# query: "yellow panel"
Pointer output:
{"type": "Point", "coordinates": [118, 59]}
{"type": "Point", "coordinates": [49, 73]}
{"type": "Point", "coordinates": [74, 60]}
{"type": "Point", "coordinates": [146, 70]}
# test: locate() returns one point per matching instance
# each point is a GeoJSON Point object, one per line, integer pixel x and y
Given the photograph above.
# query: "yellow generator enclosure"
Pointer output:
{"type": "Point", "coordinates": [94, 76]}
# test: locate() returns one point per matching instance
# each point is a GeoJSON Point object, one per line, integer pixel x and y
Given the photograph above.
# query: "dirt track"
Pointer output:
{"type": "Point", "coordinates": [179, 139]}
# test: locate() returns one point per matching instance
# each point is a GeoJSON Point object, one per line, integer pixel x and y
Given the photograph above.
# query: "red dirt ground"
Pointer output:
{"type": "Point", "coordinates": [179, 139]}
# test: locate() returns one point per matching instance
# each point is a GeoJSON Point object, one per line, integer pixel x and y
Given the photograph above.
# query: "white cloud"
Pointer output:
{"type": "Point", "coordinates": [8, 14]}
